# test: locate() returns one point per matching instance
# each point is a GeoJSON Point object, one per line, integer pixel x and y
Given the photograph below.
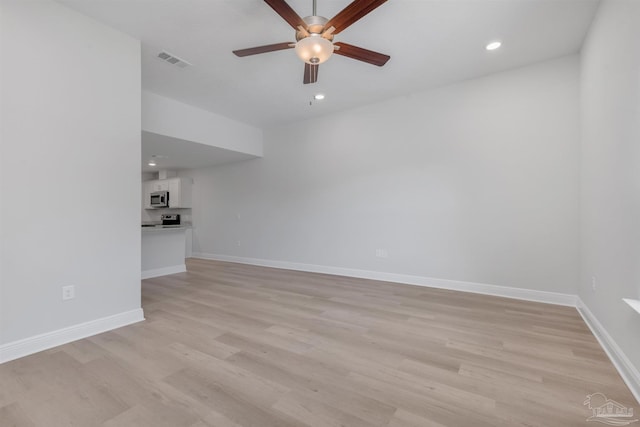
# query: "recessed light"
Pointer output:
{"type": "Point", "coordinates": [151, 163]}
{"type": "Point", "coordinates": [493, 45]}
{"type": "Point", "coordinates": [319, 97]}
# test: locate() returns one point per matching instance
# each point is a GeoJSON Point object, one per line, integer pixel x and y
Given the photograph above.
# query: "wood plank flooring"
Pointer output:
{"type": "Point", "coordinates": [231, 345]}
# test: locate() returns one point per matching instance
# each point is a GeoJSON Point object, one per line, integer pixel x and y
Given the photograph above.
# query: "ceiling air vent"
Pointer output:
{"type": "Point", "coordinates": [174, 60]}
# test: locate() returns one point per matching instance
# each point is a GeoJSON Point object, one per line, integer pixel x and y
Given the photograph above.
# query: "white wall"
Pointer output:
{"type": "Point", "coordinates": [610, 178]}
{"type": "Point", "coordinates": [166, 116]}
{"type": "Point", "coordinates": [474, 182]}
{"type": "Point", "coordinates": [70, 169]}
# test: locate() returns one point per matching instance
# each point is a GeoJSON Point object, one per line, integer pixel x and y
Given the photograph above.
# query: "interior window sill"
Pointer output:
{"type": "Point", "coordinates": [634, 303]}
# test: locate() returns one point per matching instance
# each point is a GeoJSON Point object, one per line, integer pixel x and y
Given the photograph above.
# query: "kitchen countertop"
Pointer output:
{"type": "Point", "coordinates": [158, 227]}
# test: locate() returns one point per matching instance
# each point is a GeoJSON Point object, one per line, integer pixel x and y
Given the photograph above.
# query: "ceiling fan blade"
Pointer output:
{"type": "Point", "coordinates": [310, 73]}
{"type": "Point", "coordinates": [263, 49]}
{"type": "Point", "coordinates": [350, 14]}
{"type": "Point", "coordinates": [284, 10]}
{"type": "Point", "coordinates": [361, 54]}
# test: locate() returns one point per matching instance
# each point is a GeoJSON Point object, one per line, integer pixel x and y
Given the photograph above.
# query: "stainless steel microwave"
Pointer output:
{"type": "Point", "coordinates": [159, 199]}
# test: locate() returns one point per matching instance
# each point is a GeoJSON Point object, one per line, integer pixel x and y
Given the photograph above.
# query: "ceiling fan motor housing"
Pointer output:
{"type": "Point", "coordinates": [315, 25]}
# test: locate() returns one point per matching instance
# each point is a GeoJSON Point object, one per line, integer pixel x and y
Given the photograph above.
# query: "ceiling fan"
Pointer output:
{"type": "Point", "coordinates": [314, 36]}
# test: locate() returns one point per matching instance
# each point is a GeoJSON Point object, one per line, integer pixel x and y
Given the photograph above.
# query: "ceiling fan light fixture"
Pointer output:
{"type": "Point", "coordinates": [314, 49]}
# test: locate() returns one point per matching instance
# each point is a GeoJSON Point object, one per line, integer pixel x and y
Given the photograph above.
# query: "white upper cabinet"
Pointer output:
{"type": "Point", "coordinates": [179, 192]}
{"type": "Point", "coordinates": [146, 194]}
{"type": "Point", "coordinates": [159, 185]}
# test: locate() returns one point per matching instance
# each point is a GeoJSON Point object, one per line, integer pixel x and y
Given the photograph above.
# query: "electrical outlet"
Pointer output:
{"type": "Point", "coordinates": [594, 284]}
{"type": "Point", "coordinates": [382, 253]}
{"type": "Point", "coordinates": [68, 292]}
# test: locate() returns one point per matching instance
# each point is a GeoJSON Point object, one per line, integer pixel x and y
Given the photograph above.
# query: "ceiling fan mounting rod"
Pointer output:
{"type": "Point", "coordinates": [314, 8]}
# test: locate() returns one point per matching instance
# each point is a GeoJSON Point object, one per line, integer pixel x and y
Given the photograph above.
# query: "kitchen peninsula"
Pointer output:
{"type": "Point", "coordinates": [163, 249]}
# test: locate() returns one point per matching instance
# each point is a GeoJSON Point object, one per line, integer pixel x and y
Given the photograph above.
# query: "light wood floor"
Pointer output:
{"type": "Point", "coordinates": [233, 345]}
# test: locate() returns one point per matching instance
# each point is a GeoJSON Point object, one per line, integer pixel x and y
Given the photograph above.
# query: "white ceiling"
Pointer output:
{"type": "Point", "coordinates": [178, 154]}
{"type": "Point", "coordinates": [431, 43]}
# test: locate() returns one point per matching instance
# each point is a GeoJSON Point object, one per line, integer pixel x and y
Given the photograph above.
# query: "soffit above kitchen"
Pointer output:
{"type": "Point", "coordinates": [431, 43]}
{"type": "Point", "coordinates": [176, 154]}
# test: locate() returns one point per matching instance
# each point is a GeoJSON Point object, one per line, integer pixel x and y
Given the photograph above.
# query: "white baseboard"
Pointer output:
{"type": "Point", "coordinates": [625, 368]}
{"type": "Point", "coordinates": [27, 346]}
{"type": "Point", "coordinates": [456, 285]}
{"type": "Point", "coordinates": [157, 272]}
{"type": "Point", "coordinates": [627, 371]}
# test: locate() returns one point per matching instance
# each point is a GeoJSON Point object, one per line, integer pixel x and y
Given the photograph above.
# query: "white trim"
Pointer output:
{"type": "Point", "coordinates": [627, 371]}
{"type": "Point", "coordinates": [633, 303]}
{"type": "Point", "coordinates": [625, 368]}
{"type": "Point", "coordinates": [164, 271]}
{"type": "Point", "coordinates": [456, 285]}
{"type": "Point", "coordinates": [27, 346]}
